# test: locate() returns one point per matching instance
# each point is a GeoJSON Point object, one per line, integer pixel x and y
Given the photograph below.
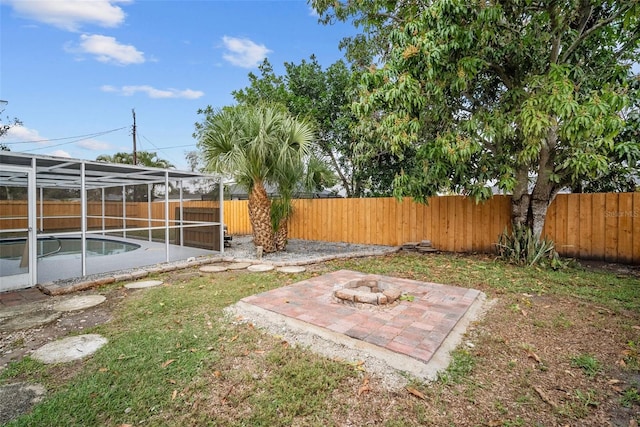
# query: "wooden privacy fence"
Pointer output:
{"type": "Point", "coordinates": [597, 226]}
{"type": "Point", "coordinates": [452, 223]}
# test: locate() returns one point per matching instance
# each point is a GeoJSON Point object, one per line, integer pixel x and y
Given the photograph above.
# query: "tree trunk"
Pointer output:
{"type": "Point", "coordinates": [520, 199]}
{"type": "Point", "coordinates": [530, 210]}
{"type": "Point", "coordinates": [260, 217]}
{"type": "Point", "coordinates": [282, 234]}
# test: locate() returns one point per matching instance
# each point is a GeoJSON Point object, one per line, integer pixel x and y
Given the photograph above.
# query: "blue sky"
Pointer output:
{"type": "Point", "coordinates": [72, 70]}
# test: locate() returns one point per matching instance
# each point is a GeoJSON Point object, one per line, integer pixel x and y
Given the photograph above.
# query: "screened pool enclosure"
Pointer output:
{"type": "Point", "coordinates": [62, 218]}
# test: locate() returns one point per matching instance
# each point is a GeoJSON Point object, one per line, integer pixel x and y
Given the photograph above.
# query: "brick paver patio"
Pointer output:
{"type": "Point", "coordinates": [414, 328]}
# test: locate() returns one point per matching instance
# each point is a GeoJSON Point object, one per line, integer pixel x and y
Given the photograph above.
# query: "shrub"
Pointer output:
{"type": "Point", "coordinates": [521, 247]}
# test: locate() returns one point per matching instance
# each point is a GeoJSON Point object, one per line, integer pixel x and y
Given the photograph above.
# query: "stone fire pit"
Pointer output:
{"type": "Point", "coordinates": [367, 291]}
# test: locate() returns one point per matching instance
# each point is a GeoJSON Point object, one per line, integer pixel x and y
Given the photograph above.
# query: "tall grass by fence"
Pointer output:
{"type": "Point", "coordinates": [595, 226]}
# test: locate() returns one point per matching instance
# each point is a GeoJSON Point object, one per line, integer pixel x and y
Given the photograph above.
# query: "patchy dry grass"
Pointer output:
{"type": "Point", "coordinates": [557, 348]}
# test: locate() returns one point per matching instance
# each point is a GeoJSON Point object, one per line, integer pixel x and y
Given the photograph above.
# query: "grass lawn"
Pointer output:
{"type": "Point", "coordinates": [556, 348]}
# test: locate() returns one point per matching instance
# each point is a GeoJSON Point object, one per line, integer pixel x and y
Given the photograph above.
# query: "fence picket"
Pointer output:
{"type": "Point", "coordinates": [598, 226]}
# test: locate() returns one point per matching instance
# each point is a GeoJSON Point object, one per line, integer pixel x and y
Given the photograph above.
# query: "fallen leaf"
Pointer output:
{"type": "Point", "coordinates": [103, 369]}
{"type": "Point", "coordinates": [495, 423]}
{"type": "Point", "coordinates": [260, 351]}
{"type": "Point", "coordinates": [233, 338]}
{"type": "Point", "coordinates": [636, 327]}
{"type": "Point", "coordinates": [416, 393]}
{"type": "Point", "coordinates": [217, 374]}
{"type": "Point", "coordinates": [193, 350]}
{"type": "Point", "coordinates": [125, 425]}
{"type": "Point", "coordinates": [168, 362]}
{"type": "Point", "coordinates": [544, 397]}
{"type": "Point", "coordinates": [174, 394]}
{"type": "Point", "coordinates": [524, 313]}
{"type": "Point", "coordinates": [365, 386]}
{"type": "Point", "coordinates": [633, 422]}
{"type": "Point", "coordinates": [534, 356]}
{"type": "Point", "coordinates": [614, 381]}
{"type": "Point", "coordinates": [284, 343]}
{"type": "Point", "coordinates": [172, 381]}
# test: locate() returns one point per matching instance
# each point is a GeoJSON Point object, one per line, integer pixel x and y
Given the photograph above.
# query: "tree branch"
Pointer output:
{"type": "Point", "coordinates": [502, 74]}
{"type": "Point", "coordinates": [585, 34]}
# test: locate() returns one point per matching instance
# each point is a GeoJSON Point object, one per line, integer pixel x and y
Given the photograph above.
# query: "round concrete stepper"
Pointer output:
{"type": "Point", "coordinates": [259, 268]}
{"type": "Point", "coordinates": [291, 269]}
{"type": "Point", "coordinates": [69, 349]}
{"type": "Point", "coordinates": [79, 302]}
{"type": "Point", "coordinates": [30, 320]}
{"type": "Point", "coordinates": [213, 268]}
{"type": "Point", "coordinates": [143, 284]}
{"type": "Point", "coordinates": [238, 265]}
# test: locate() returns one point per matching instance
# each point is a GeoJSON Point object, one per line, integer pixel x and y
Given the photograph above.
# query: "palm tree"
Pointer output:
{"type": "Point", "coordinates": [144, 158]}
{"type": "Point", "coordinates": [259, 145]}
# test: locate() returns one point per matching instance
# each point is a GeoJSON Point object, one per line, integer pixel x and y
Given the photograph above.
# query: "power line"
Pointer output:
{"type": "Point", "coordinates": [82, 137]}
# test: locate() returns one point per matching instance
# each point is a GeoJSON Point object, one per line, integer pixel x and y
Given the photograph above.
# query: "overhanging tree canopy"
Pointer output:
{"type": "Point", "coordinates": [519, 94]}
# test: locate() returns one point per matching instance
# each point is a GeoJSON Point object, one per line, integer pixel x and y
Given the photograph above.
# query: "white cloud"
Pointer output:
{"type": "Point", "coordinates": [107, 49]}
{"type": "Point", "coordinates": [60, 153]}
{"type": "Point", "coordinates": [21, 134]}
{"type": "Point", "coordinates": [94, 145]}
{"type": "Point", "coordinates": [153, 92]}
{"type": "Point", "coordinates": [70, 15]}
{"type": "Point", "coordinates": [313, 12]}
{"type": "Point", "coordinates": [244, 52]}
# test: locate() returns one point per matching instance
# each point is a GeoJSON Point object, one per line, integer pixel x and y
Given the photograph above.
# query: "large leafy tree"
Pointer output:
{"type": "Point", "coordinates": [526, 96]}
{"type": "Point", "coordinates": [324, 98]}
{"type": "Point", "coordinates": [260, 145]}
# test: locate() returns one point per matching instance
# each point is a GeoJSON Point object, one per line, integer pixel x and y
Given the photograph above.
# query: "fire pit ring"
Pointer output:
{"type": "Point", "coordinates": [367, 291]}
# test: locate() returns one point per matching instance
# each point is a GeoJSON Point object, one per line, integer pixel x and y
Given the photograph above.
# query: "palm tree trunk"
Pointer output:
{"type": "Point", "coordinates": [282, 234]}
{"type": "Point", "coordinates": [260, 217]}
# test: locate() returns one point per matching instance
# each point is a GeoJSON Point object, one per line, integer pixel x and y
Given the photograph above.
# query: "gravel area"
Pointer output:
{"type": "Point", "coordinates": [299, 252]}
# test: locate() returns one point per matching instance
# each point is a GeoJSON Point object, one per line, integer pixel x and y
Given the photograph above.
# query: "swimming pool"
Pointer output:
{"type": "Point", "coordinates": [103, 255]}
{"type": "Point", "coordinates": [65, 247]}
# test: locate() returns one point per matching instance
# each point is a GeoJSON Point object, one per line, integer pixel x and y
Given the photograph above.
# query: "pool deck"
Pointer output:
{"type": "Point", "coordinates": [51, 269]}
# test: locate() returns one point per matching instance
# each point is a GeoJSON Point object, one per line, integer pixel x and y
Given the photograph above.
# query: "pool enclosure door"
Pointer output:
{"type": "Point", "coordinates": [18, 232]}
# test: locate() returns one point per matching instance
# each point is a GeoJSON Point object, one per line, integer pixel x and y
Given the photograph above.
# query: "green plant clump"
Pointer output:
{"type": "Point", "coordinates": [522, 247]}
{"type": "Point", "coordinates": [588, 363]}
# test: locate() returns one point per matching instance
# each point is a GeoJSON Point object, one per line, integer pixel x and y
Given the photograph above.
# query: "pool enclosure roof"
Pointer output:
{"type": "Point", "coordinates": [61, 172]}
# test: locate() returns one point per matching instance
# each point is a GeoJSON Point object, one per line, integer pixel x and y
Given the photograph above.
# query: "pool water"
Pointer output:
{"type": "Point", "coordinates": [66, 247]}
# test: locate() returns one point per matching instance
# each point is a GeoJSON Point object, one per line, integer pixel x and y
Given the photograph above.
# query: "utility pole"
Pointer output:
{"type": "Point", "coordinates": [135, 153]}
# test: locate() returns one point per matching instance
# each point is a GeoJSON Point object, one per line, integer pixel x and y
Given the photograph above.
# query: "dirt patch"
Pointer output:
{"type": "Point", "coordinates": [14, 345]}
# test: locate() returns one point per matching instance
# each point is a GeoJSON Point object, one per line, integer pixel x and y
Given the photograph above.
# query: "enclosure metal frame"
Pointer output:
{"type": "Point", "coordinates": [85, 175]}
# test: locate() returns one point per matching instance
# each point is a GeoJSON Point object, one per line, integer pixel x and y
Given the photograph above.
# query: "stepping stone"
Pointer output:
{"type": "Point", "coordinates": [69, 349]}
{"type": "Point", "coordinates": [143, 284]}
{"type": "Point", "coordinates": [18, 399]}
{"type": "Point", "coordinates": [29, 320]}
{"type": "Point", "coordinates": [238, 265]}
{"type": "Point", "coordinates": [213, 268]}
{"type": "Point", "coordinates": [291, 269]}
{"type": "Point", "coordinates": [79, 302]}
{"type": "Point", "coordinates": [259, 268]}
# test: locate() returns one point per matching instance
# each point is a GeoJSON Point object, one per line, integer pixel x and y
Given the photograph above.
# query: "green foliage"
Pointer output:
{"type": "Point", "coordinates": [588, 363]}
{"type": "Point", "coordinates": [461, 366]}
{"type": "Point", "coordinates": [259, 145]}
{"type": "Point", "coordinates": [630, 397]}
{"type": "Point", "coordinates": [523, 96]}
{"type": "Point", "coordinates": [522, 247]}
{"type": "Point", "coordinates": [324, 98]}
